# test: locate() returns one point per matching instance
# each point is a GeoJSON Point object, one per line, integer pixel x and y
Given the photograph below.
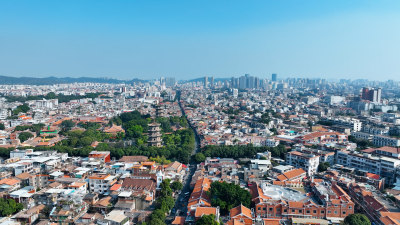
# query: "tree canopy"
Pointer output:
{"type": "Point", "coordinates": [242, 151]}
{"type": "Point", "coordinates": [228, 195]}
{"type": "Point", "coordinates": [199, 157]}
{"type": "Point", "coordinates": [207, 220]}
{"type": "Point", "coordinates": [323, 166]}
{"type": "Point", "coordinates": [24, 108]}
{"type": "Point", "coordinates": [164, 204]}
{"type": "Point", "coordinates": [176, 186]}
{"type": "Point", "coordinates": [356, 219]}
{"type": "Point", "coordinates": [23, 136]}
{"type": "Point", "coordinates": [67, 125]}
{"type": "Point", "coordinates": [9, 207]}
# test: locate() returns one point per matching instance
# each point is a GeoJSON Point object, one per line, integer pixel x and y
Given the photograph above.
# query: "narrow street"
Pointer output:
{"type": "Point", "coordinates": [180, 208]}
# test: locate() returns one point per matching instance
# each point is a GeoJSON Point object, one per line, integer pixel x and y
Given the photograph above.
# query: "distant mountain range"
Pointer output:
{"type": "Point", "coordinates": [68, 80]}
{"type": "Point", "coordinates": [202, 79]}
{"type": "Point", "coordinates": [59, 80]}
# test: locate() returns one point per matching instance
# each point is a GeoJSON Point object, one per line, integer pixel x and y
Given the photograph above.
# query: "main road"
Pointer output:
{"type": "Point", "coordinates": [180, 208]}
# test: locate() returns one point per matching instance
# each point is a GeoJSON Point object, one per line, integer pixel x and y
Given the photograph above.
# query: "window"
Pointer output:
{"type": "Point", "coordinates": [308, 211]}
{"type": "Point", "coordinates": [335, 212]}
{"type": "Point", "coordinates": [344, 212]}
{"type": "Point", "coordinates": [300, 211]}
{"type": "Point", "coordinates": [293, 210]}
{"type": "Point", "coordinates": [270, 209]}
{"type": "Point", "coordinates": [350, 207]}
{"type": "Point", "coordinates": [264, 209]}
{"type": "Point", "coordinates": [329, 212]}
{"type": "Point", "coordinates": [285, 210]}
{"type": "Point", "coordinates": [259, 208]}
{"type": "Point", "coordinates": [322, 211]}
{"type": "Point", "coordinates": [314, 211]}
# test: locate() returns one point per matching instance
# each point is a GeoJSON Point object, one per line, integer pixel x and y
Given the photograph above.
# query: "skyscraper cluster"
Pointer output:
{"type": "Point", "coordinates": [247, 81]}
{"type": "Point", "coordinates": [207, 83]}
{"type": "Point", "coordinates": [167, 81]}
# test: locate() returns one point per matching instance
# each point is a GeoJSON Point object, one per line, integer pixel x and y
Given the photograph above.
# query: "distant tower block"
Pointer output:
{"type": "Point", "coordinates": [205, 82]}
{"type": "Point", "coordinates": [274, 77]}
{"type": "Point", "coordinates": [155, 135]}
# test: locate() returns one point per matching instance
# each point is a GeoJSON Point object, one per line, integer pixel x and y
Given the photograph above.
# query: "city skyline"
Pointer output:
{"type": "Point", "coordinates": [128, 40]}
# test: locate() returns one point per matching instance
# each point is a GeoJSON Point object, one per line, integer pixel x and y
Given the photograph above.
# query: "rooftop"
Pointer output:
{"type": "Point", "coordinates": [281, 193]}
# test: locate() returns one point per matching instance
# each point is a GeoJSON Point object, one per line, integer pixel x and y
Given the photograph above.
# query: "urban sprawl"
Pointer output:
{"type": "Point", "coordinates": [237, 151]}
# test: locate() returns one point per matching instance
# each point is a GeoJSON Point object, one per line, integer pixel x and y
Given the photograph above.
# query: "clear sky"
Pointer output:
{"type": "Point", "coordinates": [192, 38]}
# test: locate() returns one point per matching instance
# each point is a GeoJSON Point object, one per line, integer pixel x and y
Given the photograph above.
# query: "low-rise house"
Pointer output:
{"type": "Point", "coordinates": [29, 216]}
{"type": "Point", "coordinates": [241, 214]}
{"type": "Point", "coordinates": [115, 217]}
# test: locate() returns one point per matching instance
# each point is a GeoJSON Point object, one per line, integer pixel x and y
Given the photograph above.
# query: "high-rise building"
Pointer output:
{"type": "Point", "coordinates": [379, 95]}
{"type": "Point", "coordinates": [162, 81]}
{"type": "Point", "coordinates": [205, 82]}
{"type": "Point", "coordinates": [274, 77]}
{"type": "Point", "coordinates": [170, 81]}
{"type": "Point", "coordinates": [373, 95]}
{"type": "Point", "coordinates": [247, 81]}
{"type": "Point", "coordinates": [212, 82]}
{"type": "Point", "coordinates": [235, 92]}
{"type": "Point", "coordinates": [242, 82]}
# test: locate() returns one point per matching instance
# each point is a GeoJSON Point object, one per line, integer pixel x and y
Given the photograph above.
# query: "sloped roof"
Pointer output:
{"type": "Point", "coordinates": [240, 210]}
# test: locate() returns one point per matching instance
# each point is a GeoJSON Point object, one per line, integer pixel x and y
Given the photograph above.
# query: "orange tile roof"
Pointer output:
{"type": "Point", "coordinates": [292, 174]}
{"type": "Point", "coordinates": [77, 184]}
{"type": "Point", "coordinates": [10, 181]}
{"type": "Point", "coordinates": [319, 134]}
{"type": "Point", "coordinates": [240, 210]}
{"type": "Point", "coordinates": [390, 218]}
{"type": "Point", "coordinates": [281, 177]}
{"type": "Point", "coordinates": [44, 143]}
{"type": "Point", "coordinates": [150, 163]}
{"type": "Point", "coordinates": [23, 176]}
{"type": "Point", "coordinates": [179, 220]}
{"type": "Point", "coordinates": [100, 176]}
{"type": "Point", "coordinates": [372, 176]}
{"type": "Point", "coordinates": [115, 187]}
{"type": "Point", "coordinates": [201, 211]}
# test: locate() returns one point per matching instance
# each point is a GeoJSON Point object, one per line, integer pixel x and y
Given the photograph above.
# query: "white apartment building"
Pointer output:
{"type": "Point", "coordinates": [386, 167]}
{"type": "Point", "coordinates": [271, 142]}
{"type": "Point", "coordinates": [101, 183]}
{"type": "Point", "coordinates": [352, 123]}
{"type": "Point", "coordinates": [259, 164]}
{"type": "Point", "coordinates": [375, 130]}
{"type": "Point", "coordinates": [379, 140]}
{"type": "Point", "coordinates": [21, 167]}
{"type": "Point", "coordinates": [362, 162]}
{"type": "Point", "coordinates": [308, 162]}
{"type": "Point", "coordinates": [20, 153]}
{"type": "Point", "coordinates": [362, 136]}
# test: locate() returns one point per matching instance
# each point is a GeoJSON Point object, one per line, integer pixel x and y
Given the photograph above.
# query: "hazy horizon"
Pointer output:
{"type": "Point", "coordinates": [187, 40]}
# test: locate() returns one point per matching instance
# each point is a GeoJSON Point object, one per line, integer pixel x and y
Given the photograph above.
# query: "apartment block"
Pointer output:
{"type": "Point", "coordinates": [308, 162]}
{"type": "Point", "coordinates": [380, 141]}
{"type": "Point", "coordinates": [101, 183]}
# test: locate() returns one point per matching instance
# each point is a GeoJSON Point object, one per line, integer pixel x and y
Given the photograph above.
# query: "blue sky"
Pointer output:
{"type": "Point", "coordinates": [188, 39]}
